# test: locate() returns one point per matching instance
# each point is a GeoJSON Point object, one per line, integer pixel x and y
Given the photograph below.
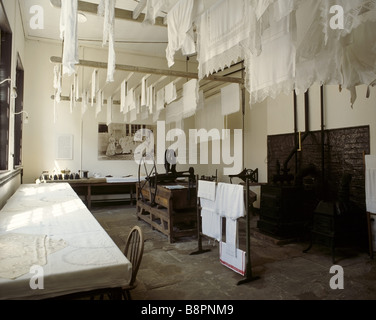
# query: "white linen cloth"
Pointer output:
{"type": "Point", "coordinates": [84, 102]}
{"type": "Point", "coordinates": [179, 23]}
{"type": "Point", "coordinates": [236, 263]}
{"type": "Point", "coordinates": [68, 33]}
{"type": "Point", "coordinates": [123, 97]}
{"type": "Point", "coordinates": [371, 183]}
{"type": "Point", "coordinates": [94, 85]}
{"type": "Point", "coordinates": [270, 74]}
{"type": "Point", "coordinates": [90, 260]}
{"type": "Point", "coordinates": [174, 112]}
{"type": "Point", "coordinates": [144, 91]}
{"type": "Point", "coordinates": [230, 99]}
{"type": "Point", "coordinates": [229, 201]}
{"type": "Point", "coordinates": [160, 104]}
{"type": "Point", "coordinates": [35, 250]}
{"type": "Point", "coordinates": [231, 237]}
{"type": "Point", "coordinates": [220, 31]}
{"type": "Point", "coordinates": [57, 83]}
{"type": "Point", "coordinates": [150, 101]}
{"type": "Point", "coordinates": [106, 9]}
{"type": "Point", "coordinates": [72, 99]}
{"type": "Point", "coordinates": [99, 103]}
{"type": "Point", "coordinates": [170, 92]}
{"type": "Point", "coordinates": [206, 190]}
{"type": "Point", "coordinates": [190, 97]}
{"type": "Point", "coordinates": [109, 110]}
{"type": "Point", "coordinates": [211, 224]}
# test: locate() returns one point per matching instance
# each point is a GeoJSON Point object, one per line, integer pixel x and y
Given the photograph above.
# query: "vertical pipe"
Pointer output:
{"type": "Point", "coordinates": [322, 139]}
{"type": "Point", "coordinates": [296, 131]}
{"type": "Point", "coordinates": [243, 114]}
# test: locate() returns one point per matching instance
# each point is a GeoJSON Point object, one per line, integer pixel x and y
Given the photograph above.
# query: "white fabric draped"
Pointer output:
{"type": "Point", "coordinates": [221, 29]}
{"type": "Point", "coordinates": [190, 97]}
{"type": "Point", "coordinates": [230, 99]}
{"type": "Point", "coordinates": [155, 8]}
{"type": "Point", "coordinates": [94, 86]}
{"type": "Point", "coordinates": [179, 25]}
{"type": "Point", "coordinates": [68, 33]}
{"type": "Point", "coordinates": [109, 110]}
{"type": "Point", "coordinates": [106, 8]}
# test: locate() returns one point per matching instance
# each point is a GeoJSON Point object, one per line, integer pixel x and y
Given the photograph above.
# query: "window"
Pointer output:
{"type": "Point", "coordinates": [18, 118]}
{"type": "Point", "coordinates": [5, 88]}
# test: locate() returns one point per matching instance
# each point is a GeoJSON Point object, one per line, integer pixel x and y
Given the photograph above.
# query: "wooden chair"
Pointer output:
{"type": "Point", "coordinates": [134, 249]}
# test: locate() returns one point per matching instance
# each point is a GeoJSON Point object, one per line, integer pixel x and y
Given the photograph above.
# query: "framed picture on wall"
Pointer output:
{"type": "Point", "coordinates": [116, 141]}
{"type": "Point", "coordinates": [64, 147]}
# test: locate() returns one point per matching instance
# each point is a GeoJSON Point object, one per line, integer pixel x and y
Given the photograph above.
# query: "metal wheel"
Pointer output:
{"type": "Point", "coordinates": [147, 177]}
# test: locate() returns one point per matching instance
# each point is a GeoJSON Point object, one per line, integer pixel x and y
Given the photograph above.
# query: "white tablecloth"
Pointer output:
{"type": "Point", "coordinates": [83, 258]}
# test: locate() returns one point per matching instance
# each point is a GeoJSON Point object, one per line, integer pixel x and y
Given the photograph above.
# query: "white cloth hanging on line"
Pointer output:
{"type": "Point", "coordinates": [57, 83]}
{"type": "Point", "coordinates": [221, 29]}
{"type": "Point", "coordinates": [160, 104]}
{"type": "Point", "coordinates": [150, 101]}
{"type": "Point", "coordinates": [230, 99]}
{"type": "Point", "coordinates": [76, 87]}
{"type": "Point", "coordinates": [106, 9]}
{"type": "Point", "coordinates": [123, 97]}
{"type": "Point", "coordinates": [270, 74]}
{"type": "Point", "coordinates": [190, 97]}
{"type": "Point", "coordinates": [109, 110]}
{"type": "Point", "coordinates": [84, 103]}
{"type": "Point", "coordinates": [72, 99]}
{"type": "Point", "coordinates": [179, 30]}
{"type": "Point", "coordinates": [170, 93]}
{"type": "Point", "coordinates": [68, 33]}
{"type": "Point", "coordinates": [94, 86]}
{"type": "Point", "coordinates": [144, 91]}
{"type": "Point", "coordinates": [99, 103]}
{"type": "Point", "coordinates": [174, 112]}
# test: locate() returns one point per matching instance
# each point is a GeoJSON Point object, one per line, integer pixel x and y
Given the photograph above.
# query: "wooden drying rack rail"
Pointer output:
{"type": "Point", "coordinates": [161, 72]}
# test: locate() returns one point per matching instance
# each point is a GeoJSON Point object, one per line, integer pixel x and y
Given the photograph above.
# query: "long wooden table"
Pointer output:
{"type": "Point", "coordinates": [174, 210]}
{"type": "Point", "coordinates": [46, 232]}
{"type": "Point", "coordinates": [102, 186]}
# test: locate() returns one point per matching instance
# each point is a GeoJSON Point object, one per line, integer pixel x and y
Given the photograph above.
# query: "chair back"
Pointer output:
{"type": "Point", "coordinates": [134, 250]}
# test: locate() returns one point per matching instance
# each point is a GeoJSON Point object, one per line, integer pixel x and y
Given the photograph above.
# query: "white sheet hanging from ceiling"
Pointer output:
{"type": "Point", "coordinates": [180, 32]}
{"type": "Point", "coordinates": [106, 9]}
{"type": "Point", "coordinates": [220, 31]}
{"type": "Point", "coordinates": [343, 56]}
{"type": "Point", "coordinates": [68, 33]}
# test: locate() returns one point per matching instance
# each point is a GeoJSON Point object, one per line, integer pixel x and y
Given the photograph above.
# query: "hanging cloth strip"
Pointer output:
{"type": "Point", "coordinates": [170, 93]}
{"type": "Point", "coordinates": [99, 103]}
{"type": "Point", "coordinates": [94, 86]}
{"type": "Point", "coordinates": [123, 97]}
{"type": "Point", "coordinates": [109, 110]}
{"type": "Point", "coordinates": [68, 33]}
{"type": "Point", "coordinates": [106, 9]}
{"type": "Point", "coordinates": [179, 30]}
{"type": "Point", "coordinates": [190, 98]}
{"type": "Point", "coordinates": [57, 83]}
{"type": "Point", "coordinates": [230, 99]}
{"type": "Point", "coordinates": [84, 103]}
{"type": "Point", "coordinates": [267, 74]}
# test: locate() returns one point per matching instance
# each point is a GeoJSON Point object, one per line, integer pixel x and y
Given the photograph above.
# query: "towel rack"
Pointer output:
{"type": "Point", "coordinates": [248, 276]}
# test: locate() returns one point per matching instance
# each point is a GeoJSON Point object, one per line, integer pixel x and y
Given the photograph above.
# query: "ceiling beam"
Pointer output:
{"type": "Point", "coordinates": [161, 72]}
{"type": "Point", "coordinates": [137, 11]}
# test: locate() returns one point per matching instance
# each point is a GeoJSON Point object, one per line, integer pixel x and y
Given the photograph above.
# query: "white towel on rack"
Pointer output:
{"type": "Point", "coordinates": [231, 237]}
{"type": "Point", "coordinates": [230, 99]}
{"type": "Point", "coordinates": [206, 190]}
{"type": "Point", "coordinates": [211, 224]}
{"type": "Point", "coordinates": [229, 201]}
{"type": "Point", "coordinates": [236, 263]}
{"type": "Point", "coordinates": [68, 33]}
{"type": "Point", "coordinates": [371, 183]}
